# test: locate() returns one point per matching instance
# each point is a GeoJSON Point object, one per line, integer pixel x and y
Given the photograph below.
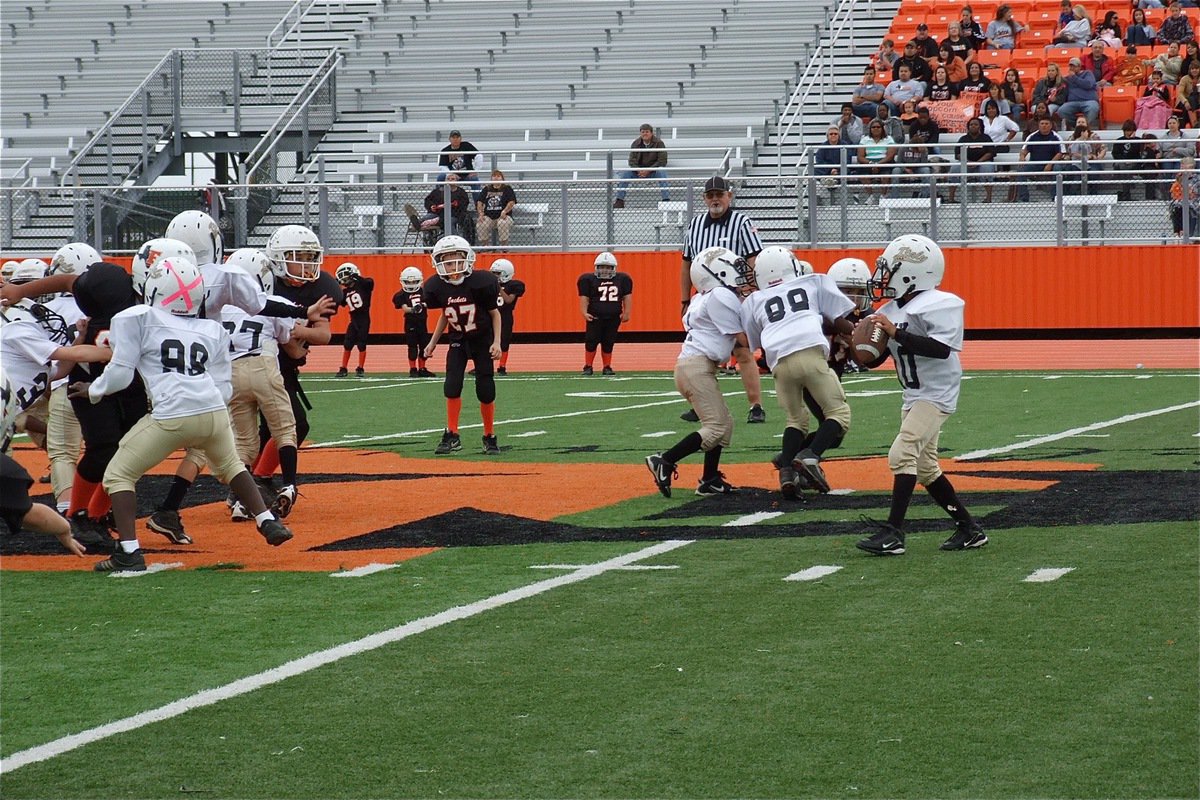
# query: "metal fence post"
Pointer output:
{"type": "Point", "coordinates": [240, 221]}
{"type": "Point", "coordinates": [610, 227]}
{"type": "Point", "coordinates": [237, 90]}
{"type": "Point", "coordinates": [177, 103]}
{"type": "Point", "coordinates": [562, 200]}
{"type": "Point", "coordinates": [379, 187]}
{"type": "Point", "coordinates": [1059, 221]}
{"type": "Point", "coordinates": [964, 192]}
{"type": "Point", "coordinates": [97, 226]}
{"type": "Point", "coordinates": [933, 205]}
{"type": "Point", "coordinates": [322, 201]}
{"type": "Point", "coordinates": [447, 216]}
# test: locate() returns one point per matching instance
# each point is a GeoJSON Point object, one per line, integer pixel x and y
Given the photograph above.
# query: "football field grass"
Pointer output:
{"type": "Point", "coordinates": [572, 633]}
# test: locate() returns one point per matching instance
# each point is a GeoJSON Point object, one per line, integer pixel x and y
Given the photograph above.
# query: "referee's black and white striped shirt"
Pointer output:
{"type": "Point", "coordinates": [733, 230]}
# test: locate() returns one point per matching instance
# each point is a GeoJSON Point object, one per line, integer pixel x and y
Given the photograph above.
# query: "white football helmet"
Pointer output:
{"type": "Point", "coordinates": [200, 232]}
{"type": "Point", "coordinates": [296, 253]}
{"type": "Point", "coordinates": [777, 264]}
{"type": "Point", "coordinates": [346, 273]}
{"type": "Point", "coordinates": [6, 270]}
{"type": "Point", "coordinates": [911, 263]}
{"type": "Point", "coordinates": [719, 266]}
{"type": "Point", "coordinates": [411, 279]}
{"type": "Point", "coordinates": [174, 284]}
{"type": "Point", "coordinates": [853, 277]}
{"type": "Point", "coordinates": [605, 265]}
{"type": "Point", "coordinates": [453, 258]}
{"type": "Point", "coordinates": [31, 269]}
{"type": "Point", "coordinates": [74, 259]}
{"type": "Point", "coordinates": [503, 269]}
{"type": "Point", "coordinates": [149, 254]}
{"type": "Point", "coordinates": [256, 264]}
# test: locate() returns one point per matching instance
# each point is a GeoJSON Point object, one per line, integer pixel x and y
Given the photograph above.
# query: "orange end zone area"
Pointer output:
{"type": "Point", "coordinates": [547, 491]}
{"type": "Point", "coordinates": [1041, 354]}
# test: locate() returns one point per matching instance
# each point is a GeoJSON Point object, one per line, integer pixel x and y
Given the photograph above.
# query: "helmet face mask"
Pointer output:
{"type": "Point", "coordinates": [411, 279]}
{"type": "Point", "coordinates": [605, 265]}
{"type": "Point", "coordinates": [503, 269]}
{"type": "Point", "coordinates": [150, 253]}
{"type": "Point", "coordinates": [453, 259]}
{"type": "Point", "coordinates": [296, 254]}
{"type": "Point", "coordinates": [909, 264]}
{"type": "Point", "coordinates": [347, 273]}
{"type": "Point", "coordinates": [853, 277]}
{"type": "Point", "coordinates": [200, 232]}
{"type": "Point", "coordinates": [720, 266]}
{"type": "Point", "coordinates": [175, 285]}
{"type": "Point", "coordinates": [51, 322]}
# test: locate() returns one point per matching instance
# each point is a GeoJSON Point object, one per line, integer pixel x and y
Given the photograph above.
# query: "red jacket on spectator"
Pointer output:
{"type": "Point", "coordinates": [1107, 69]}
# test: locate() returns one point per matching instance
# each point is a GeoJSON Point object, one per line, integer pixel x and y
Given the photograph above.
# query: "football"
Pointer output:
{"type": "Point", "coordinates": [868, 342]}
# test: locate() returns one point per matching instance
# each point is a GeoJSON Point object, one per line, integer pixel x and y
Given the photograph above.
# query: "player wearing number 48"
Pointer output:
{"type": "Point", "coordinates": [924, 334]}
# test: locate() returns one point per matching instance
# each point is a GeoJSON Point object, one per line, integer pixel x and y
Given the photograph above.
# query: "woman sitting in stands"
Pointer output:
{"type": "Point", "coordinates": [1108, 31]}
{"type": "Point", "coordinates": [955, 66]}
{"type": "Point", "coordinates": [1014, 93]}
{"type": "Point", "coordinates": [1140, 33]}
{"type": "Point", "coordinates": [1187, 97]}
{"type": "Point", "coordinates": [1002, 32]}
{"type": "Point", "coordinates": [1085, 145]}
{"type": "Point", "coordinates": [976, 81]}
{"type": "Point", "coordinates": [1076, 33]}
{"type": "Point", "coordinates": [942, 87]}
{"type": "Point", "coordinates": [876, 152]}
{"type": "Point", "coordinates": [995, 99]}
{"type": "Point", "coordinates": [1051, 90]}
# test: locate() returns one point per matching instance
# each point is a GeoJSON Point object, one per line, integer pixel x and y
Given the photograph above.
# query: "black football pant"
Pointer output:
{"type": "Point", "coordinates": [506, 329]}
{"type": "Point", "coordinates": [14, 493]}
{"type": "Point", "coordinates": [103, 424]}
{"type": "Point", "coordinates": [357, 334]}
{"type": "Point", "coordinates": [416, 339]}
{"type": "Point", "coordinates": [601, 331]}
{"type": "Point", "coordinates": [476, 350]}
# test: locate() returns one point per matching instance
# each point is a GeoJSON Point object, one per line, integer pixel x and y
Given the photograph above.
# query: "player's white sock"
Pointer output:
{"type": "Point", "coordinates": [129, 545]}
{"type": "Point", "coordinates": [63, 507]}
{"type": "Point", "coordinates": [263, 517]}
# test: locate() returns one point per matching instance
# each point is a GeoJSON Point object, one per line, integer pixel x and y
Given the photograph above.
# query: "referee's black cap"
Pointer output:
{"type": "Point", "coordinates": [717, 184]}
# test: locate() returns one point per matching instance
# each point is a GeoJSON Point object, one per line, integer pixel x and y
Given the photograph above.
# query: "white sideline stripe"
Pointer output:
{"type": "Point", "coordinates": [812, 573]}
{"type": "Point", "coordinates": [1047, 574]}
{"type": "Point", "coordinates": [657, 434]}
{"type": "Point", "coordinates": [526, 434]}
{"type": "Point", "coordinates": [149, 570]}
{"type": "Point", "coordinates": [630, 568]}
{"type": "Point", "coordinates": [841, 491]}
{"type": "Point", "coordinates": [358, 572]}
{"type": "Point", "coordinates": [1077, 436]}
{"type": "Point", "coordinates": [1054, 437]}
{"type": "Point", "coordinates": [752, 519]}
{"type": "Point", "coordinates": [321, 658]}
{"type": "Point", "coordinates": [414, 382]}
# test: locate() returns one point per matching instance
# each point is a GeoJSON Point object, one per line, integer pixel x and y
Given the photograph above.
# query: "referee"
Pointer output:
{"type": "Point", "coordinates": [724, 227]}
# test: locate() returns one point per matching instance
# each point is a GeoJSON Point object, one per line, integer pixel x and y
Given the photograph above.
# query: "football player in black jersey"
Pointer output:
{"type": "Point", "coordinates": [295, 253]}
{"type": "Point", "coordinates": [605, 301]}
{"type": "Point", "coordinates": [357, 289]}
{"type": "Point", "coordinates": [416, 320]}
{"type": "Point", "coordinates": [511, 290]}
{"type": "Point", "coordinates": [468, 300]}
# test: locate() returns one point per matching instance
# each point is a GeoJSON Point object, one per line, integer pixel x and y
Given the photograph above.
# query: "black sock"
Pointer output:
{"type": "Point", "coordinates": [287, 465]}
{"type": "Point", "coordinates": [942, 492]}
{"type": "Point", "coordinates": [793, 442]}
{"type": "Point", "coordinates": [174, 498]}
{"type": "Point", "coordinates": [712, 460]}
{"type": "Point", "coordinates": [687, 445]}
{"type": "Point", "coordinates": [902, 492]}
{"type": "Point", "coordinates": [829, 434]}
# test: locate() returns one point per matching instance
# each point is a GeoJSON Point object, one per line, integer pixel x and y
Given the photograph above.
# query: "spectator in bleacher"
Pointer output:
{"type": "Point", "coordinates": [1175, 147]}
{"type": "Point", "coordinates": [1156, 87]}
{"type": "Point", "coordinates": [1170, 62]}
{"type": "Point", "coordinates": [901, 89]}
{"type": "Point", "coordinates": [1065, 15]}
{"type": "Point", "coordinates": [1108, 32]}
{"type": "Point", "coordinates": [979, 154]}
{"type": "Point", "coordinates": [927, 46]}
{"type": "Point", "coordinates": [1076, 33]}
{"type": "Point", "coordinates": [1003, 31]}
{"type": "Point", "coordinates": [868, 94]}
{"type": "Point", "coordinates": [911, 164]}
{"type": "Point", "coordinates": [1140, 33]}
{"type": "Point", "coordinates": [494, 206]}
{"type": "Point", "coordinates": [975, 81]}
{"type": "Point", "coordinates": [647, 159]}
{"type": "Point", "coordinates": [1175, 27]}
{"type": "Point", "coordinates": [918, 67]}
{"type": "Point", "coordinates": [1051, 90]}
{"type": "Point", "coordinates": [1099, 64]}
{"type": "Point", "coordinates": [953, 64]}
{"type": "Point", "coordinates": [942, 87]}
{"type": "Point", "coordinates": [1014, 93]}
{"type": "Point", "coordinates": [1043, 148]}
{"type": "Point", "coordinates": [1084, 147]}
{"type": "Point", "coordinates": [1151, 181]}
{"type": "Point", "coordinates": [908, 113]}
{"type": "Point", "coordinates": [961, 46]}
{"type": "Point", "coordinates": [972, 31]}
{"type": "Point", "coordinates": [1041, 110]}
{"type": "Point", "coordinates": [925, 126]}
{"type": "Point", "coordinates": [1000, 129]}
{"type": "Point", "coordinates": [458, 157]}
{"type": "Point", "coordinates": [1127, 155]}
{"type": "Point", "coordinates": [1081, 94]}
{"type": "Point", "coordinates": [829, 158]}
{"type": "Point", "coordinates": [887, 56]}
{"type": "Point", "coordinates": [892, 126]}
{"type": "Point", "coordinates": [460, 208]}
{"type": "Point", "coordinates": [848, 125]}
{"type": "Point", "coordinates": [876, 153]}
{"type": "Point", "coordinates": [1129, 70]}
{"type": "Point", "coordinates": [1191, 55]}
{"type": "Point", "coordinates": [1187, 97]}
{"type": "Point", "coordinates": [1185, 193]}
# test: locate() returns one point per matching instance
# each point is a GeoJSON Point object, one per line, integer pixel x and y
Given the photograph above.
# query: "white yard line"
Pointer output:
{"type": "Point", "coordinates": [525, 435]}
{"type": "Point", "coordinates": [657, 434]}
{"type": "Point", "coordinates": [1054, 437]}
{"type": "Point", "coordinates": [321, 658]}
{"type": "Point", "coordinates": [630, 568]}
{"type": "Point", "coordinates": [812, 573]}
{"type": "Point", "coordinates": [150, 570]}
{"type": "Point", "coordinates": [358, 572]}
{"type": "Point", "coordinates": [1047, 574]}
{"type": "Point", "coordinates": [752, 519]}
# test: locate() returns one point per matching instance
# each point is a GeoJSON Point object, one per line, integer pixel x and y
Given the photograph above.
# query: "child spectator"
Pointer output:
{"type": "Point", "coordinates": [1140, 33]}
{"type": "Point", "coordinates": [416, 320]}
{"type": "Point", "coordinates": [1129, 70]}
{"type": "Point", "coordinates": [887, 56]}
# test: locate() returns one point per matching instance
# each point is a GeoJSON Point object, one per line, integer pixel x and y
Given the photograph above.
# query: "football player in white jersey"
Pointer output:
{"type": "Point", "coordinates": [714, 325]}
{"type": "Point", "coordinates": [926, 329]}
{"type": "Point", "coordinates": [788, 317]}
{"type": "Point", "coordinates": [184, 362]}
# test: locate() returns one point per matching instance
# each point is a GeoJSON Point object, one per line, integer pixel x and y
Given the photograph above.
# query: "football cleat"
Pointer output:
{"type": "Point", "coordinates": [120, 561]}
{"type": "Point", "coordinates": [490, 446]}
{"type": "Point", "coordinates": [169, 525]}
{"type": "Point", "coordinates": [341, 373]}
{"type": "Point", "coordinates": [789, 481]}
{"type": "Point", "coordinates": [715, 485]}
{"type": "Point", "coordinates": [502, 370]}
{"type": "Point", "coordinates": [449, 443]}
{"type": "Point", "coordinates": [359, 372]}
{"type": "Point", "coordinates": [965, 537]}
{"type": "Point", "coordinates": [663, 471]}
{"type": "Point", "coordinates": [690, 416]}
{"type": "Point", "coordinates": [424, 373]}
{"type": "Point", "coordinates": [756, 414]}
{"type": "Point", "coordinates": [607, 371]}
{"type": "Point", "coordinates": [92, 534]}
{"type": "Point", "coordinates": [587, 369]}
{"type": "Point", "coordinates": [888, 540]}
{"type": "Point", "coordinates": [285, 501]}
{"type": "Point", "coordinates": [238, 512]}
{"type": "Point", "coordinates": [808, 465]}
{"type": "Point", "coordinates": [413, 373]}
{"type": "Point", "coordinates": [274, 531]}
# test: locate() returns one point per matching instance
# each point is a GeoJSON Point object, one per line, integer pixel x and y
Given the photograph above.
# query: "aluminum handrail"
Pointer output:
{"type": "Point", "coordinates": [304, 95]}
{"type": "Point", "coordinates": [299, 19]}
{"type": "Point", "coordinates": [116, 115]}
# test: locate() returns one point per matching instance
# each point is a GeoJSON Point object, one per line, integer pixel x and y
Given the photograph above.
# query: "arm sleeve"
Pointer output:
{"type": "Point", "coordinates": [922, 345]}
{"type": "Point", "coordinates": [276, 308]}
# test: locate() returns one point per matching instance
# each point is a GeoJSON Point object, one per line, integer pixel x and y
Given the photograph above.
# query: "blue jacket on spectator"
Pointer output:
{"type": "Point", "coordinates": [1081, 86]}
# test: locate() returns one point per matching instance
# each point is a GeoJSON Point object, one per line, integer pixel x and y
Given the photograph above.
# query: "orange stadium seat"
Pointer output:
{"type": "Point", "coordinates": [906, 21]}
{"type": "Point", "coordinates": [1027, 57]}
{"type": "Point", "coordinates": [939, 22]}
{"type": "Point", "coordinates": [1117, 103]}
{"type": "Point", "coordinates": [1037, 38]}
{"type": "Point", "coordinates": [999, 58]}
{"type": "Point", "coordinates": [1061, 55]}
